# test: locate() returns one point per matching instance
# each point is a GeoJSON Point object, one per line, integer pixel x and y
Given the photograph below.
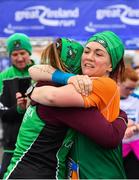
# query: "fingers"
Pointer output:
{"type": "Point", "coordinates": [82, 83]}
{"type": "Point", "coordinates": [130, 122]}
{"type": "Point", "coordinates": [21, 101]}
{"type": "Point", "coordinates": [88, 85]}
{"type": "Point", "coordinates": [135, 129]}
{"type": "Point", "coordinates": [74, 81]}
{"type": "Point", "coordinates": [18, 95]}
{"type": "Point", "coordinates": [85, 84]}
{"type": "Point", "coordinates": [132, 130]}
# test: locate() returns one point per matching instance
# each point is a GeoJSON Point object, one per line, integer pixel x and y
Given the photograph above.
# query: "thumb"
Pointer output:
{"type": "Point", "coordinates": [18, 95]}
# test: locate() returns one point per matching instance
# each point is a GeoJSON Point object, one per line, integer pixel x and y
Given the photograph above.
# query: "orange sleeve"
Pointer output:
{"type": "Point", "coordinates": [105, 96]}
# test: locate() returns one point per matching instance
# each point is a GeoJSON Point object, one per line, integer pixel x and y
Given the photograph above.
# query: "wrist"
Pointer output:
{"type": "Point", "coordinates": [61, 77]}
{"type": "Point", "coordinates": [30, 90]}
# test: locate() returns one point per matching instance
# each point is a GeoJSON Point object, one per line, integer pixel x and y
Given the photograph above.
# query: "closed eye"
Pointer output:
{"type": "Point", "coordinates": [86, 50]}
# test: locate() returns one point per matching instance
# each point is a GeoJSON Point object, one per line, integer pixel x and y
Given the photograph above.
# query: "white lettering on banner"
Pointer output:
{"type": "Point", "coordinates": [43, 14]}
{"type": "Point", "coordinates": [91, 27]}
{"type": "Point", "coordinates": [125, 13]}
{"type": "Point", "coordinates": [10, 29]}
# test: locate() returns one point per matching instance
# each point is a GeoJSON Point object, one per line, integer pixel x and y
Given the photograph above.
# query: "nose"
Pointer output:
{"type": "Point", "coordinates": [90, 57]}
{"type": "Point", "coordinates": [19, 57]}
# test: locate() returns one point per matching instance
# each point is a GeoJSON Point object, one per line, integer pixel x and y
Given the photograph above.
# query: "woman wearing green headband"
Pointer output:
{"type": "Point", "coordinates": [102, 57]}
{"type": "Point", "coordinates": [35, 147]}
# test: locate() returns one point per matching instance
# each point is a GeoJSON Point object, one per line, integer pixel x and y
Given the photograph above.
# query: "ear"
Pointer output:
{"type": "Point", "coordinates": [109, 69]}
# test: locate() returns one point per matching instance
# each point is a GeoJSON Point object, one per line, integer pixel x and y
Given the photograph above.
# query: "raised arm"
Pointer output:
{"type": "Point", "coordinates": [53, 96]}
{"type": "Point", "coordinates": [41, 72]}
{"type": "Point", "coordinates": [82, 83]}
{"type": "Point", "coordinates": [67, 96]}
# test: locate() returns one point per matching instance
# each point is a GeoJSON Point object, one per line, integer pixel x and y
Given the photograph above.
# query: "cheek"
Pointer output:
{"type": "Point", "coordinates": [82, 61]}
{"type": "Point", "coordinates": [27, 58]}
{"type": "Point", "coordinates": [83, 57]}
{"type": "Point", "coordinates": [102, 64]}
{"type": "Point", "coordinates": [81, 64]}
{"type": "Point", "coordinates": [13, 60]}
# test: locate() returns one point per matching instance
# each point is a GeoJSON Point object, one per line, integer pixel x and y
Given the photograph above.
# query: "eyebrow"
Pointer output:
{"type": "Point", "coordinates": [101, 50]}
{"type": "Point", "coordinates": [97, 50]}
{"type": "Point", "coordinates": [87, 47]}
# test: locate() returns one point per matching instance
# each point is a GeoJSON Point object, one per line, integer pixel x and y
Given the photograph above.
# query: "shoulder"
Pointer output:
{"type": "Point", "coordinates": [7, 73]}
{"type": "Point", "coordinates": [105, 82]}
{"type": "Point", "coordinates": [3, 73]}
{"type": "Point", "coordinates": [105, 86]}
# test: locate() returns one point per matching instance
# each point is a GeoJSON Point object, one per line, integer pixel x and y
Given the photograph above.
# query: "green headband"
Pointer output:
{"type": "Point", "coordinates": [18, 41]}
{"type": "Point", "coordinates": [71, 53]}
{"type": "Point", "coordinates": [112, 43]}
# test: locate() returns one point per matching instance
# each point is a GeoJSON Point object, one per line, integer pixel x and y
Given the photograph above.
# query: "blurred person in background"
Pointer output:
{"type": "Point", "coordinates": [136, 68]}
{"type": "Point", "coordinates": [130, 103]}
{"type": "Point", "coordinates": [12, 80]}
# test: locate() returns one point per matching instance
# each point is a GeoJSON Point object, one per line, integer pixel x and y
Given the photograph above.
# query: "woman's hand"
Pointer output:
{"type": "Point", "coordinates": [46, 68]}
{"type": "Point", "coordinates": [130, 123]}
{"type": "Point", "coordinates": [82, 83]}
{"type": "Point", "coordinates": [130, 131]}
{"type": "Point", "coordinates": [21, 101]}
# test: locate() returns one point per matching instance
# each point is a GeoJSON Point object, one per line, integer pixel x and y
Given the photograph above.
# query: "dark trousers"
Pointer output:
{"type": "Point", "coordinates": [131, 165]}
{"type": "Point", "coordinates": [5, 163]}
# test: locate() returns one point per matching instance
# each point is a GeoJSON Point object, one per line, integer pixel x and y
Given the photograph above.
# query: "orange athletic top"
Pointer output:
{"type": "Point", "coordinates": [105, 96]}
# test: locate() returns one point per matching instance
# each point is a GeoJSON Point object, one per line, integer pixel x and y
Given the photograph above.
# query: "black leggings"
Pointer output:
{"type": "Point", "coordinates": [131, 165]}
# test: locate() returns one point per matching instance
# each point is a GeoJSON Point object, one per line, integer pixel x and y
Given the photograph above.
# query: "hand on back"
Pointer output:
{"type": "Point", "coordinates": [82, 83]}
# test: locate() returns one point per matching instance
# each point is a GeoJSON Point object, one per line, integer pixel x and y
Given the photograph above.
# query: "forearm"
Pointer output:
{"type": "Point", "coordinates": [44, 95]}
{"type": "Point", "coordinates": [92, 124]}
{"type": "Point", "coordinates": [48, 73]}
{"type": "Point", "coordinates": [64, 96]}
{"type": "Point", "coordinates": [41, 72]}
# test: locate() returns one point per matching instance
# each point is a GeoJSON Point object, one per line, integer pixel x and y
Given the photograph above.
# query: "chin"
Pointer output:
{"type": "Point", "coordinates": [21, 67]}
{"type": "Point", "coordinates": [87, 72]}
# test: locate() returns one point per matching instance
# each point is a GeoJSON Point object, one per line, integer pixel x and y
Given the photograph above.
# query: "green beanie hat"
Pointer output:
{"type": "Point", "coordinates": [112, 43]}
{"type": "Point", "coordinates": [18, 41]}
{"type": "Point", "coordinates": [71, 53]}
